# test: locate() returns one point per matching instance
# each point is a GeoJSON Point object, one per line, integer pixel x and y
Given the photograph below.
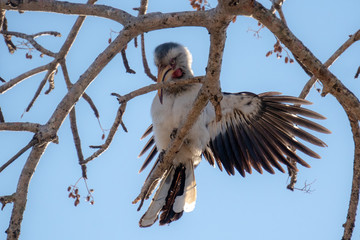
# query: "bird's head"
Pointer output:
{"type": "Point", "coordinates": [173, 62]}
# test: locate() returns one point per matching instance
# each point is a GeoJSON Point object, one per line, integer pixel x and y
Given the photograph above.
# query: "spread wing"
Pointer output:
{"type": "Point", "coordinates": [258, 131]}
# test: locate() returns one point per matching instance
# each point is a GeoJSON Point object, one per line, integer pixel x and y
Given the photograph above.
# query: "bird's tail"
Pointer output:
{"type": "Point", "coordinates": [176, 194]}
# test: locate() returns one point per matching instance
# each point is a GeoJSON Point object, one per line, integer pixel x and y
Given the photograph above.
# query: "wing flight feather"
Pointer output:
{"type": "Point", "coordinates": [260, 131]}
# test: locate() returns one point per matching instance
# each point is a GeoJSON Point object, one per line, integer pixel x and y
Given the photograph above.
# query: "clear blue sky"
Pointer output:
{"type": "Point", "coordinates": [257, 207]}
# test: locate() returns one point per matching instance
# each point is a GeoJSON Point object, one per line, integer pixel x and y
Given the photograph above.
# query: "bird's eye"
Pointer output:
{"type": "Point", "coordinates": [173, 62]}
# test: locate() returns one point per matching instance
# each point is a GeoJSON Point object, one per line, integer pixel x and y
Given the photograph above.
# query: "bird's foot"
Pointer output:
{"type": "Point", "coordinates": [173, 134]}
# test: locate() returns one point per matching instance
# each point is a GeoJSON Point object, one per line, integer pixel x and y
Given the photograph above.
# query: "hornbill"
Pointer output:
{"type": "Point", "coordinates": [255, 131]}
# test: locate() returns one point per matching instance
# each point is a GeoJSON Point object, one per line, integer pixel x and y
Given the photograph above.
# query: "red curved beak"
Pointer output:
{"type": "Point", "coordinates": [163, 75]}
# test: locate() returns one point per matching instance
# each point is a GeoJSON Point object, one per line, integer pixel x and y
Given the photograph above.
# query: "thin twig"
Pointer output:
{"type": "Point", "coordinates": [2, 119]}
{"type": "Point", "coordinates": [292, 174]}
{"type": "Point", "coordinates": [61, 55]}
{"type": "Point", "coordinates": [156, 86]}
{"type": "Point", "coordinates": [51, 82]}
{"type": "Point", "coordinates": [357, 73]}
{"type": "Point", "coordinates": [69, 84]}
{"type": "Point", "coordinates": [11, 46]}
{"type": "Point", "coordinates": [88, 99]}
{"type": "Point", "coordinates": [306, 188]}
{"type": "Point", "coordinates": [126, 63]}
{"type": "Point", "coordinates": [73, 124]}
{"type": "Point", "coordinates": [277, 6]}
{"type": "Point", "coordinates": [143, 7]}
{"type": "Point", "coordinates": [144, 60]}
{"type": "Point", "coordinates": [353, 38]}
{"type": "Point", "coordinates": [113, 130]}
{"type": "Point", "coordinates": [2, 17]}
{"type": "Point", "coordinates": [135, 42]}
{"type": "Point", "coordinates": [48, 75]}
{"type": "Point", "coordinates": [76, 138]}
{"type": "Point", "coordinates": [18, 154]}
{"type": "Point", "coordinates": [7, 199]}
{"type": "Point", "coordinates": [13, 82]}
{"type": "Point", "coordinates": [31, 40]}
{"type": "Point", "coordinates": [51, 33]}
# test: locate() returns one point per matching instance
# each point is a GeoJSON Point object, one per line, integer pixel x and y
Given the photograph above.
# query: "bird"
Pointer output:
{"type": "Point", "coordinates": [256, 131]}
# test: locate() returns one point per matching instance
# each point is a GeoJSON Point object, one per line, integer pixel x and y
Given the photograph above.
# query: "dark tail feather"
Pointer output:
{"type": "Point", "coordinates": [168, 215]}
{"type": "Point", "coordinates": [176, 194]}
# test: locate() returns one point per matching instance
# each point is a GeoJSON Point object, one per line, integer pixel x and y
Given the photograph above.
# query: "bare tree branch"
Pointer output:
{"type": "Point", "coordinates": [126, 63]}
{"type": "Point", "coordinates": [19, 126]}
{"type": "Point", "coordinates": [19, 207]}
{"type": "Point", "coordinates": [331, 83]}
{"type": "Point", "coordinates": [11, 46]}
{"type": "Point", "coordinates": [49, 74]}
{"type": "Point", "coordinates": [31, 39]}
{"type": "Point", "coordinates": [215, 20]}
{"type": "Point", "coordinates": [354, 199]}
{"type": "Point", "coordinates": [7, 199]}
{"type": "Point", "coordinates": [144, 60]}
{"type": "Point", "coordinates": [143, 7]}
{"type": "Point", "coordinates": [76, 138]}
{"type": "Point", "coordinates": [13, 82]}
{"type": "Point", "coordinates": [72, 8]}
{"type": "Point", "coordinates": [18, 154]}
{"type": "Point", "coordinates": [113, 130]}
{"type": "Point", "coordinates": [353, 38]}
{"type": "Point", "coordinates": [157, 86]}
{"type": "Point", "coordinates": [277, 6]}
{"type": "Point", "coordinates": [2, 18]}
{"type": "Point", "coordinates": [69, 85]}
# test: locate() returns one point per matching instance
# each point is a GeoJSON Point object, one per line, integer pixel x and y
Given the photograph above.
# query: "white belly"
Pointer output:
{"type": "Point", "coordinates": [170, 115]}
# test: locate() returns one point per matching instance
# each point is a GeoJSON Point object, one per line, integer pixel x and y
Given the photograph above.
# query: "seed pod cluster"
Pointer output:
{"type": "Point", "coordinates": [74, 193]}
{"type": "Point", "coordinates": [28, 56]}
{"type": "Point", "coordinates": [199, 5]}
{"type": "Point", "coordinates": [89, 198]}
{"type": "Point", "coordinates": [278, 49]}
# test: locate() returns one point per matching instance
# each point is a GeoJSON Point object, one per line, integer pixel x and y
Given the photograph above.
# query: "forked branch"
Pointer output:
{"type": "Point", "coordinates": [113, 130]}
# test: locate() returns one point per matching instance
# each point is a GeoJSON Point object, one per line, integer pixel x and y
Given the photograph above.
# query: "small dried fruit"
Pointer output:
{"type": "Point", "coordinates": [69, 188]}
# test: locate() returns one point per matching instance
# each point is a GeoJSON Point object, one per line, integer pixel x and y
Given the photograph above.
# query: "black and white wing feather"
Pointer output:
{"type": "Point", "coordinates": [258, 131]}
